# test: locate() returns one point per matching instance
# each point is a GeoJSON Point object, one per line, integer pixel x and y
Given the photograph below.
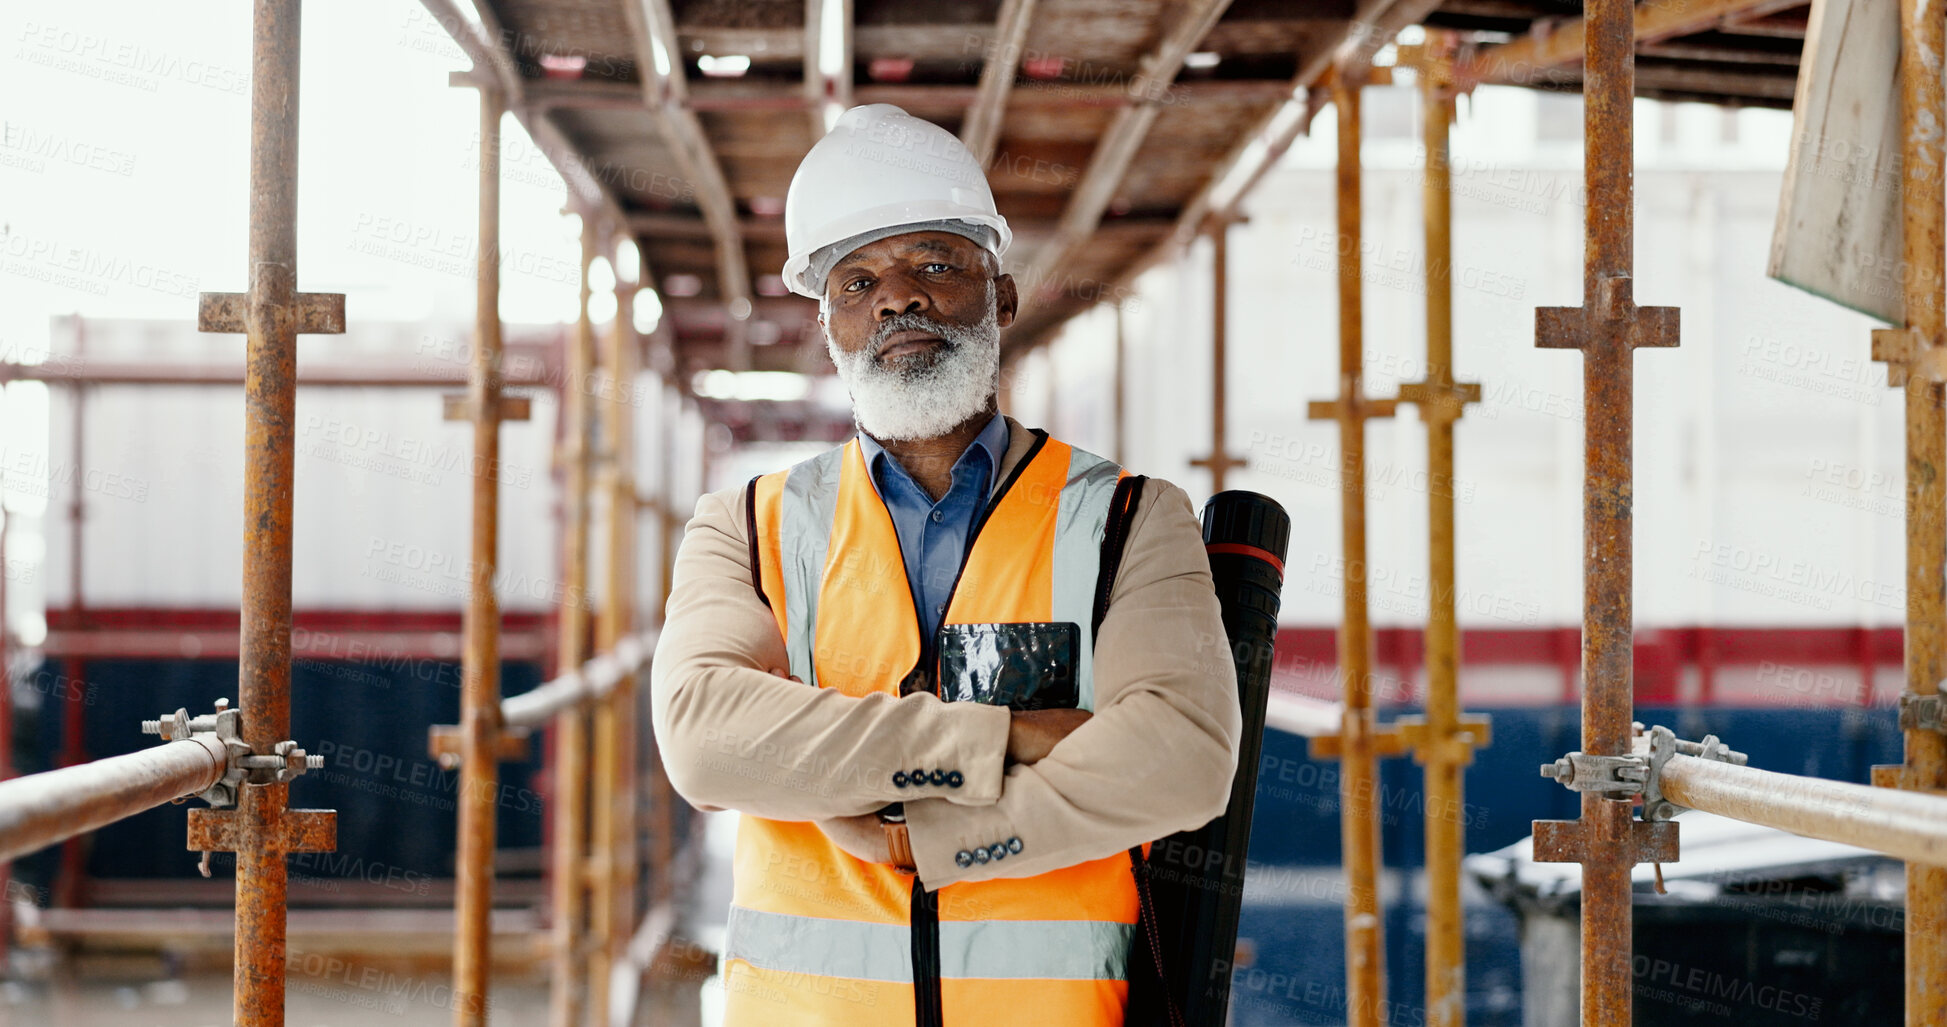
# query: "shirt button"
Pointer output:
{"type": "Point", "coordinates": [939, 609]}
{"type": "Point", "coordinates": [938, 517]}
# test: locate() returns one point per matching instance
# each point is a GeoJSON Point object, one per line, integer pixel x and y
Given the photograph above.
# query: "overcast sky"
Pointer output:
{"type": "Point", "coordinates": [124, 167]}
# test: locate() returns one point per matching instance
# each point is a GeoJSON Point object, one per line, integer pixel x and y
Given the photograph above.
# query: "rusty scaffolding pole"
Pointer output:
{"type": "Point", "coordinates": [1607, 840]}
{"type": "Point", "coordinates": [571, 736]}
{"type": "Point", "coordinates": [481, 741]}
{"type": "Point", "coordinates": [1355, 744]}
{"type": "Point", "coordinates": [1219, 461]}
{"type": "Point", "coordinates": [1443, 740]}
{"type": "Point", "coordinates": [1914, 355]}
{"type": "Point", "coordinates": [611, 865]}
{"type": "Point", "coordinates": [262, 829]}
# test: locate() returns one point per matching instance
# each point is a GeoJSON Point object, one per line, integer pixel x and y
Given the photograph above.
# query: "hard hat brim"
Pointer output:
{"type": "Point", "coordinates": [894, 215]}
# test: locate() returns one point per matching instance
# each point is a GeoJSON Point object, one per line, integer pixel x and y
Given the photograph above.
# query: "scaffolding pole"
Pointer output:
{"type": "Point", "coordinates": [261, 830]}
{"type": "Point", "coordinates": [1909, 825]}
{"type": "Point", "coordinates": [1219, 461]}
{"type": "Point", "coordinates": [1443, 741]}
{"type": "Point", "coordinates": [39, 810]}
{"type": "Point", "coordinates": [611, 849]}
{"type": "Point", "coordinates": [1355, 745]}
{"type": "Point", "coordinates": [571, 805]}
{"type": "Point", "coordinates": [1914, 355]}
{"type": "Point", "coordinates": [480, 727]}
{"type": "Point", "coordinates": [1607, 839]}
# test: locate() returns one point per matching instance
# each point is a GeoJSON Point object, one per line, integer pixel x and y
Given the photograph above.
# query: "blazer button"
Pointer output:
{"type": "Point", "coordinates": [1014, 844]}
{"type": "Point", "coordinates": [899, 779]}
{"type": "Point", "coordinates": [938, 777]}
{"type": "Point", "coordinates": [917, 777]}
{"type": "Point", "coordinates": [981, 856]}
{"type": "Point", "coordinates": [963, 858]}
{"type": "Point", "coordinates": [953, 779]}
{"type": "Point", "coordinates": [997, 850]}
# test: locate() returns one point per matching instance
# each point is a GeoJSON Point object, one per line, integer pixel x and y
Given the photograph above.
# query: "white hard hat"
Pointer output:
{"type": "Point", "coordinates": [880, 168]}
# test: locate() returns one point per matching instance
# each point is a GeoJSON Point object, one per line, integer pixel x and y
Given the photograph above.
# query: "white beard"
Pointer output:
{"type": "Point", "coordinates": [925, 395]}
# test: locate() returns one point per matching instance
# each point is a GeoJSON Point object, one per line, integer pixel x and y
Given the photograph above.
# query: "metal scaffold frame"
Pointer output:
{"type": "Point", "coordinates": [1444, 739]}
{"type": "Point", "coordinates": [1356, 744]}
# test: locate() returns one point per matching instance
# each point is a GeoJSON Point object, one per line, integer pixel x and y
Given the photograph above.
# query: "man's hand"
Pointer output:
{"type": "Point", "coordinates": [861, 836]}
{"type": "Point", "coordinates": [1032, 734]}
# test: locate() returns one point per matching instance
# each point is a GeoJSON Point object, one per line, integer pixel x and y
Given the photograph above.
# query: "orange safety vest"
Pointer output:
{"type": "Point", "coordinates": [817, 937]}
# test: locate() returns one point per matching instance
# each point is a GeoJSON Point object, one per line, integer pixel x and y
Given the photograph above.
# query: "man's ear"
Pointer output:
{"type": "Point", "coordinates": [1007, 301]}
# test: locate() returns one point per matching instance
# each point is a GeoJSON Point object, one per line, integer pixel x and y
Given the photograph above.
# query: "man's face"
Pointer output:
{"type": "Point", "coordinates": [913, 325]}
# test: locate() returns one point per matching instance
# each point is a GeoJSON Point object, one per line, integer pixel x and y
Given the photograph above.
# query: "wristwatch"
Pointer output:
{"type": "Point", "coordinates": [892, 820]}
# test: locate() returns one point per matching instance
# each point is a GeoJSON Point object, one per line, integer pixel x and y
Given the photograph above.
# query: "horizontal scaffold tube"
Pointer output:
{"type": "Point", "coordinates": [1909, 825]}
{"type": "Point", "coordinates": [594, 679]}
{"type": "Point", "coordinates": [41, 809]}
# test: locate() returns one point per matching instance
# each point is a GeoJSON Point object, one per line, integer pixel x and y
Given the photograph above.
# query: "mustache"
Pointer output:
{"type": "Point", "coordinates": [951, 334]}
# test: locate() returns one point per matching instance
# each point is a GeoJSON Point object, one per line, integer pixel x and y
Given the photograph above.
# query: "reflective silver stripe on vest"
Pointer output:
{"type": "Point", "coordinates": [815, 945]}
{"type": "Point", "coordinates": [1047, 950]}
{"type": "Point", "coordinates": [807, 507]}
{"type": "Point", "coordinates": [1079, 526]}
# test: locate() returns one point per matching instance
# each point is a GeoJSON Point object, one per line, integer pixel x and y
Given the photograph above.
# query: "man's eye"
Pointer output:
{"type": "Point", "coordinates": [856, 284]}
{"type": "Point", "coordinates": [937, 268]}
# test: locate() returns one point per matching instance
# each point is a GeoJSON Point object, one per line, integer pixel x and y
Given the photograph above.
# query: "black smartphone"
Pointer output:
{"type": "Point", "coordinates": [1022, 666]}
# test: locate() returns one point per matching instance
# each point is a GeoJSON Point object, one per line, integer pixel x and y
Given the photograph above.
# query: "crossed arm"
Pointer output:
{"type": "Point", "coordinates": [1156, 757]}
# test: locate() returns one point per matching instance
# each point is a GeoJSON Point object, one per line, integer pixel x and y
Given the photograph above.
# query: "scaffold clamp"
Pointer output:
{"type": "Point", "coordinates": [1921, 712]}
{"type": "Point", "coordinates": [1663, 744]}
{"type": "Point", "coordinates": [1640, 772]}
{"type": "Point", "coordinates": [284, 763]}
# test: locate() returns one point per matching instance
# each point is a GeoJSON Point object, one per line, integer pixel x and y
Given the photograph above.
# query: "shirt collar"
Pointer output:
{"type": "Point", "coordinates": [992, 441]}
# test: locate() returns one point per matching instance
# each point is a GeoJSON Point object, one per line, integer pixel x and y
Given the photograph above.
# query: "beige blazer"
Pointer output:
{"type": "Point", "coordinates": [1157, 757]}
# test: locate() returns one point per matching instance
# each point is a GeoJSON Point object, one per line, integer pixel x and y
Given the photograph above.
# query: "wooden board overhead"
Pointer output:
{"type": "Point", "coordinates": [1838, 231]}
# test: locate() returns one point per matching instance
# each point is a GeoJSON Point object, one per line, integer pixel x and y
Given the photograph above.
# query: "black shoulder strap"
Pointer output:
{"type": "Point", "coordinates": [1122, 517]}
{"type": "Point", "coordinates": [750, 528]}
{"type": "Point", "coordinates": [1152, 992]}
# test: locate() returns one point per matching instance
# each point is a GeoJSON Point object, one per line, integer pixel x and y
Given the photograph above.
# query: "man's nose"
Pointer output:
{"type": "Point", "coordinates": [901, 296]}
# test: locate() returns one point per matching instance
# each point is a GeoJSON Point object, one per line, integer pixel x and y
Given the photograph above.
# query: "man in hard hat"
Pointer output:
{"type": "Point", "coordinates": [953, 671]}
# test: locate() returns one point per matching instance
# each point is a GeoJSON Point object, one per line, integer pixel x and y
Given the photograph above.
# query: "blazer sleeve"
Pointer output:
{"type": "Point", "coordinates": [1160, 752]}
{"type": "Point", "coordinates": [733, 735]}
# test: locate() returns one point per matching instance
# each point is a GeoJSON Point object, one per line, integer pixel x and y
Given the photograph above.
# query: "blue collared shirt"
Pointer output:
{"type": "Point", "coordinates": [933, 536]}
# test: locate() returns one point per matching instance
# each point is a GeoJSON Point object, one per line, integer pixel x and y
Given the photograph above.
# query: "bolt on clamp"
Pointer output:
{"type": "Point", "coordinates": [1921, 712]}
{"type": "Point", "coordinates": [1616, 776]}
{"type": "Point", "coordinates": [286, 762]}
{"type": "Point", "coordinates": [1640, 772]}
